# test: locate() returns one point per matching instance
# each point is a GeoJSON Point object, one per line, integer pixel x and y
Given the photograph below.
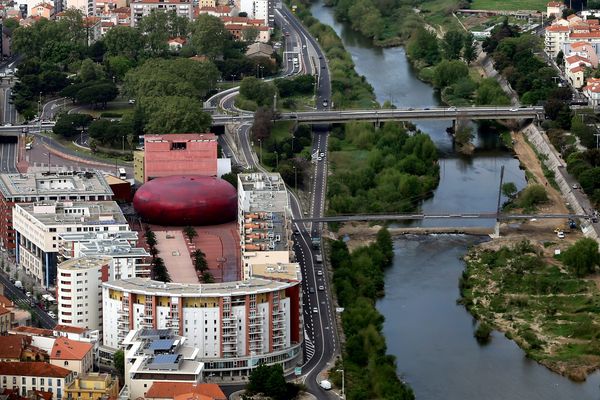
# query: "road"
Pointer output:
{"type": "Point", "coordinates": [22, 301]}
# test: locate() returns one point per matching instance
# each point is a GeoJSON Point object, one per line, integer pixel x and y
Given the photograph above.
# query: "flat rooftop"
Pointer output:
{"type": "Point", "coordinates": [265, 231]}
{"type": "Point", "coordinates": [68, 183]}
{"type": "Point", "coordinates": [150, 287]}
{"type": "Point", "coordinates": [179, 137]}
{"type": "Point", "coordinates": [279, 271]}
{"type": "Point", "coordinates": [262, 182]}
{"type": "Point", "coordinates": [75, 212]}
{"type": "Point", "coordinates": [84, 263]}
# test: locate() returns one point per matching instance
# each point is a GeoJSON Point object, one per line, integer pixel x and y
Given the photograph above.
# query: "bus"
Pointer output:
{"type": "Point", "coordinates": [122, 173]}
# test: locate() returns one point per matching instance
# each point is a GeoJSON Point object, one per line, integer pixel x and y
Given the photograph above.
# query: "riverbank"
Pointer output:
{"type": "Point", "coordinates": [524, 291]}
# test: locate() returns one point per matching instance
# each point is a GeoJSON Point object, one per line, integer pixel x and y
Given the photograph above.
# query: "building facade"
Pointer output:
{"type": "Point", "coordinates": [72, 355]}
{"type": "Point", "coordinates": [42, 186]}
{"type": "Point", "coordinates": [38, 225]}
{"type": "Point", "coordinates": [234, 325]}
{"type": "Point", "coordinates": [93, 386]}
{"type": "Point", "coordinates": [26, 376]}
{"type": "Point", "coordinates": [142, 8]}
{"type": "Point", "coordinates": [180, 154]}
{"type": "Point", "coordinates": [79, 291]}
{"type": "Point", "coordinates": [260, 9]}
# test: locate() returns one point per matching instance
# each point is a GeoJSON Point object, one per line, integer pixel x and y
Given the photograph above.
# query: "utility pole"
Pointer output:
{"type": "Point", "coordinates": [499, 193]}
{"type": "Point", "coordinates": [597, 136]}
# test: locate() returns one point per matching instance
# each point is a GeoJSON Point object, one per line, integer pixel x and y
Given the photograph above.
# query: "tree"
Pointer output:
{"type": "Point", "coordinates": [532, 195]}
{"type": "Point", "coordinates": [200, 263]}
{"type": "Point", "coordinates": [231, 177]}
{"type": "Point", "coordinates": [560, 58]}
{"type": "Point", "coordinates": [250, 34]}
{"type": "Point", "coordinates": [158, 26]}
{"type": "Point", "coordinates": [452, 44]}
{"type": "Point", "coordinates": [119, 362]}
{"type": "Point", "coordinates": [150, 238]}
{"type": "Point", "coordinates": [99, 93]}
{"type": "Point", "coordinates": [209, 36]}
{"type": "Point", "coordinates": [263, 123]}
{"type": "Point", "coordinates": [124, 41]}
{"type": "Point", "coordinates": [69, 125]}
{"type": "Point", "coordinates": [190, 232]}
{"type": "Point", "coordinates": [159, 270]}
{"type": "Point", "coordinates": [469, 52]}
{"type": "Point", "coordinates": [207, 277]}
{"type": "Point", "coordinates": [448, 72]}
{"type": "Point", "coordinates": [582, 257]}
{"type": "Point", "coordinates": [174, 114]}
{"type": "Point", "coordinates": [89, 71]}
{"type": "Point", "coordinates": [118, 66]}
{"type": "Point", "coordinates": [258, 91]}
{"type": "Point", "coordinates": [423, 46]}
{"type": "Point", "coordinates": [509, 189]}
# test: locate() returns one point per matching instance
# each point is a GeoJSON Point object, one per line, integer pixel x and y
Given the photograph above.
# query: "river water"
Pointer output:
{"type": "Point", "coordinates": [430, 334]}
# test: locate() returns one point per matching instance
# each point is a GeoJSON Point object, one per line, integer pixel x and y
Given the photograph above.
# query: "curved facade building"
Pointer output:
{"type": "Point", "coordinates": [235, 325]}
{"type": "Point", "coordinates": [186, 200]}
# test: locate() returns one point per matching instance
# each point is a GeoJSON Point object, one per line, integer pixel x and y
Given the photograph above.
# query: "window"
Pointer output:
{"type": "Point", "coordinates": [23, 381]}
{"type": "Point", "coordinates": [49, 381]}
{"type": "Point", "coordinates": [178, 146]}
{"type": "Point", "coordinates": [66, 363]}
{"type": "Point", "coordinates": [33, 381]}
{"type": "Point", "coordinates": [42, 382]}
{"type": "Point", "coordinates": [58, 383]}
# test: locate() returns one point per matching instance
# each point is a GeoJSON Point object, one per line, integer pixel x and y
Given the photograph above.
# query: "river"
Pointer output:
{"type": "Point", "coordinates": [430, 334]}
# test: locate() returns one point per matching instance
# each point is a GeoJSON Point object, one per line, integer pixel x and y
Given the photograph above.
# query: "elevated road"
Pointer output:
{"type": "Point", "coordinates": [333, 116]}
{"type": "Point", "coordinates": [405, 217]}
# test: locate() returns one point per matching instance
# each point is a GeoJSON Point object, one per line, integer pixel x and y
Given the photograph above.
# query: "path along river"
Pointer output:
{"type": "Point", "coordinates": [430, 334]}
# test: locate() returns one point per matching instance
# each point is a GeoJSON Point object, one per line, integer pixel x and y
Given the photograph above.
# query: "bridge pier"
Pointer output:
{"type": "Point", "coordinates": [496, 233]}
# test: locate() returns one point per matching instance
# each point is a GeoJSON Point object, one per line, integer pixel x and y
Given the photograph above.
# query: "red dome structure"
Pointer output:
{"type": "Point", "coordinates": [186, 200]}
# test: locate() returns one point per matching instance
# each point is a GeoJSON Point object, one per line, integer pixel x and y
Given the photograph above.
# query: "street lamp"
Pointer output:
{"type": "Point", "coordinates": [343, 392]}
{"type": "Point", "coordinates": [295, 178]}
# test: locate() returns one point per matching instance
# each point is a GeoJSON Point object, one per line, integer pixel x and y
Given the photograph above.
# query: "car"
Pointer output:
{"type": "Point", "coordinates": [323, 66]}
{"type": "Point", "coordinates": [325, 103]}
{"type": "Point", "coordinates": [319, 272]}
{"type": "Point", "coordinates": [8, 124]}
{"type": "Point", "coordinates": [561, 235]}
{"type": "Point", "coordinates": [319, 158]}
{"type": "Point", "coordinates": [311, 289]}
{"type": "Point", "coordinates": [514, 109]}
{"type": "Point", "coordinates": [321, 287]}
{"type": "Point", "coordinates": [131, 101]}
{"type": "Point", "coordinates": [289, 58]}
{"type": "Point", "coordinates": [575, 186]}
{"type": "Point", "coordinates": [452, 109]}
{"type": "Point", "coordinates": [322, 154]}
{"type": "Point", "coordinates": [315, 310]}
{"type": "Point", "coordinates": [304, 46]}
{"type": "Point", "coordinates": [410, 109]}
{"type": "Point", "coordinates": [51, 315]}
{"type": "Point", "coordinates": [28, 294]}
{"type": "Point", "coordinates": [287, 34]}
{"type": "Point", "coordinates": [427, 109]}
{"type": "Point", "coordinates": [320, 56]}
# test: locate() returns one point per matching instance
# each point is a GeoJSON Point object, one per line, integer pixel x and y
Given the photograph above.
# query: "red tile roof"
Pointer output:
{"type": "Point", "coordinates": [4, 310]}
{"type": "Point", "coordinates": [583, 35]}
{"type": "Point", "coordinates": [41, 369]}
{"type": "Point", "coordinates": [5, 301]}
{"type": "Point", "coordinates": [555, 4]}
{"type": "Point", "coordinates": [33, 331]}
{"type": "Point", "coordinates": [12, 346]}
{"type": "Point", "coordinates": [557, 28]}
{"type": "Point", "coordinates": [170, 390]}
{"type": "Point", "coordinates": [67, 349]}
{"type": "Point", "coordinates": [577, 69]}
{"type": "Point", "coordinates": [69, 329]}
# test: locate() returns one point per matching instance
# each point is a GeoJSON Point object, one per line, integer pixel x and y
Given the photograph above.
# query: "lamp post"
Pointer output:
{"type": "Point", "coordinates": [343, 394]}
{"type": "Point", "coordinates": [295, 178]}
{"type": "Point", "coordinates": [260, 150]}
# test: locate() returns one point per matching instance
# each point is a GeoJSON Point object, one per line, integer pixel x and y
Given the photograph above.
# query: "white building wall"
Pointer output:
{"type": "Point", "coordinates": [109, 320]}
{"type": "Point", "coordinates": [80, 294]}
{"type": "Point", "coordinates": [266, 328]}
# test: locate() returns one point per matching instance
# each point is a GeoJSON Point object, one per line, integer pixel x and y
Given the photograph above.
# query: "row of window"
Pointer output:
{"type": "Point", "coordinates": [34, 380]}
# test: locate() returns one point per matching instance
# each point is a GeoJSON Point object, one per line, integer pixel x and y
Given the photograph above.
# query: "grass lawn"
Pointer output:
{"type": "Point", "coordinates": [511, 5]}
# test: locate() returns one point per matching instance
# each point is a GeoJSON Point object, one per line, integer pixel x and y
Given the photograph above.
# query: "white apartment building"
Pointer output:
{"type": "Point", "coordinates": [234, 325]}
{"type": "Point", "coordinates": [141, 8]}
{"type": "Point", "coordinates": [260, 9]}
{"type": "Point", "coordinates": [127, 261]}
{"type": "Point", "coordinates": [79, 291]}
{"type": "Point", "coordinates": [87, 7]}
{"type": "Point", "coordinates": [263, 220]}
{"type": "Point", "coordinates": [38, 225]}
{"type": "Point", "coordinates": [158, 356]}
{"type": "Point", "coordinates": [26, 376]}
{"type": "Point", "coordinates": [555, 37]}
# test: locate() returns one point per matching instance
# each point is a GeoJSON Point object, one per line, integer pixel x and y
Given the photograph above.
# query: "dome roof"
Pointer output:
{"type": "Point", "coordinates": [186, 200]}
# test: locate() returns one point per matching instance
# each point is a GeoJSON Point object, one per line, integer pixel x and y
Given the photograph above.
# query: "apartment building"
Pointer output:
{"type": "Point", "coordinates": [72, 355]}
{"type": "Point", "coordinates": [79, 291]}
{"type": "Point", "coordinates": [45, 186]}
{"type": "Point", "coordinates": [142, 8]}
{"type": "Point", "coordinates": [234, 325]}
{"type": "Point", "coordinates": [158, 355]}
{"type": "Point", "coordinates": [260, 9]}
{"type": "Point", "coordinates": [38, 225]}
{"type": "Point", "coordinates": [93, 386]}
{"type": "Point", "coordinates": [26, 376]}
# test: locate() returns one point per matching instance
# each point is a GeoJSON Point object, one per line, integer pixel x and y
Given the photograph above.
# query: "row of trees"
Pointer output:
{"type": "Point", "coordinates": [159, 269]}
{"type": "Point", "coordinates": [198, 257]}
{"type": "Point", "coordinates": [358, 279]}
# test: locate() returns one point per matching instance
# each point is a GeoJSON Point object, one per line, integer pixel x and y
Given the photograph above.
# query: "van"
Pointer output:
{"type": "Point", "coordinates": [122, 173]}
{"type": "Point", "coordinates": [18, 285]}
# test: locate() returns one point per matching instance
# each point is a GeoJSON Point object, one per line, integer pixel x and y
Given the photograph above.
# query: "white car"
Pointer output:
{"type": "Point", "coordinates": [51, 315]}
{"type": "Point", "coordinates": [131, 101]}
{"type": "Point", "coordinates": [322, 154]}
{"type": "Point", "coordinates": [514, 109]}
{"type": "Point", "coordinates": [321, 288]}
{"type": "Point", "coordinates": [320, 158]}
{"type": "Point", "coordinates": [452, 109]}
{"type": "Point", "coordinates": [561, 235]}
{"type": "Point", "coordinates": [28, 294]}
{"type": "Point", "coordinates": [8, 124]}
{"type": "Point", "coordinates": [315, 310]}
{"type": "Point", "coordinates": [319, 272]}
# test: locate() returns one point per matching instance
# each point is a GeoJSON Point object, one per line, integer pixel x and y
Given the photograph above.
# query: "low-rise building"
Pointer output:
{"type": "Point", "coordinates": [93, 386]}
{"type": "Point", "coordinates": [43, 10]}
{"type": "Point", "coordinates": [555, 9]}
{"type": "Point", "coordinates": [592, 92]}
{"type": "Point", "coordinates": [31, 376]}
{"type": "Point", "coordinates": [158, 356]}
{"type": "Point", "coordinates": [72, 355]}
{"type": "Point", "coordinates": [38, 225]}
{"type": "Point", "coordinates": [184, 390]}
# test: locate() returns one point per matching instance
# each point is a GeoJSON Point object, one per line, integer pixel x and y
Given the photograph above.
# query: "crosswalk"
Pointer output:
{"type": "Point", "coordinates": [309, 347]}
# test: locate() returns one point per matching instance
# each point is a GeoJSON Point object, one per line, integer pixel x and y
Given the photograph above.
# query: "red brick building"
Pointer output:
{"type": "Point", "coordinates": [180, 154]}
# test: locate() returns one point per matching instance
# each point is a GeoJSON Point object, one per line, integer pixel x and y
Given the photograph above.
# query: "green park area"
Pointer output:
{"type": "Point", "coordinates": [509, 5]}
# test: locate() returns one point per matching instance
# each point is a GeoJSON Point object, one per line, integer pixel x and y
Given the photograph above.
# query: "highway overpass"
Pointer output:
{"type": "Point", "coordinates": [379, 115]}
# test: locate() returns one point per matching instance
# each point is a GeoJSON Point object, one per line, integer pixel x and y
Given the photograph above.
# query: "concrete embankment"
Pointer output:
{"type": "Point", "coordinates": [469, 230]}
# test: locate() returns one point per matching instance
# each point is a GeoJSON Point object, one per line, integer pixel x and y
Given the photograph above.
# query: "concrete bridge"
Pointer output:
{"type": "Point", "coordinates": [405, 217]}
{"type": "Point", "coordinates": [379, 115]}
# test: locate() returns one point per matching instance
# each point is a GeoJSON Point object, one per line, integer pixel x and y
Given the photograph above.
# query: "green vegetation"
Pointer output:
{"type": "Point", "coordinates": [509, 5]}
{"type": "Point", "coordinates": [358, 279]}
{"type": "Point", "coordinates": [549, 310]}
{"type": "Point", "coordinates": [386, 169]}
{"type": "Point", "coordinates": [159, 269]}
{"type": "Point", "coordinates": [349, 90]}
{"type": "Point", "coordinates": [119, 362]}
{"type": "Point", "coordinates": [269, 380]}
{"type": "Point", "coordinates": [528, 199]}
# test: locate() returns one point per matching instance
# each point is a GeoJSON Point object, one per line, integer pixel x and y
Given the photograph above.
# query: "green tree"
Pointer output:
{"type": "Point", "coordinates": [509, 189]}
{"type": "Point", "coordinates": [209, 36]}
{"type": "Point", "coordinates": [200, 263]}
{"type": "Point", "coordinates": [159, 270]}
{"type": "Point", "coordinates": [469, 53]}
{"type": "Point", "coordinates": [174, 114]}
{"type": "Point", "coordinates": [452, 44]}
{"type": "Point", "coordinates": [69, 125]}
{"type": "Point", "coordinates": [423, 46]}
{"type": "Point", "coordinates": [231, 177]}
{"type": "Point", "coordinates": [532, 195]}
{"type": "Point", "coordinates": [262, 124]}
{"type": "Point", "coordinates": [582, 257]}
{"type": "Point", "coordinates": [258, 91]}
{"type": "Point", "coordinates": [250, 34]}
{"type": "Point", "coordinates": [448, 72]}
{"type": "Point", "coordinates": [118, 66]}
{"type": "Point", "coordinates": [99, 93]}
{"type": "Point", "coordinates": [124, 41]}
{"type": "Point", "coordinates": [158, 26]}
{"type": "Point", "coordinates": [190, 232]}
{"type": "Point", "coordinates": [207, 277]}
{"type": "Point", "coordinates": [119, 362]}
{"type": "Point", "coordinates": [150, 238]}
{"type": "Point", "coordinates": [89, 71]}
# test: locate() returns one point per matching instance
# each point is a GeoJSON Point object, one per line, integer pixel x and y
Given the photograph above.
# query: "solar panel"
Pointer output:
{"type": "Point", "coordinates": [165, 362]}
{"type": "Point", "coordinates": [161, 345]}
